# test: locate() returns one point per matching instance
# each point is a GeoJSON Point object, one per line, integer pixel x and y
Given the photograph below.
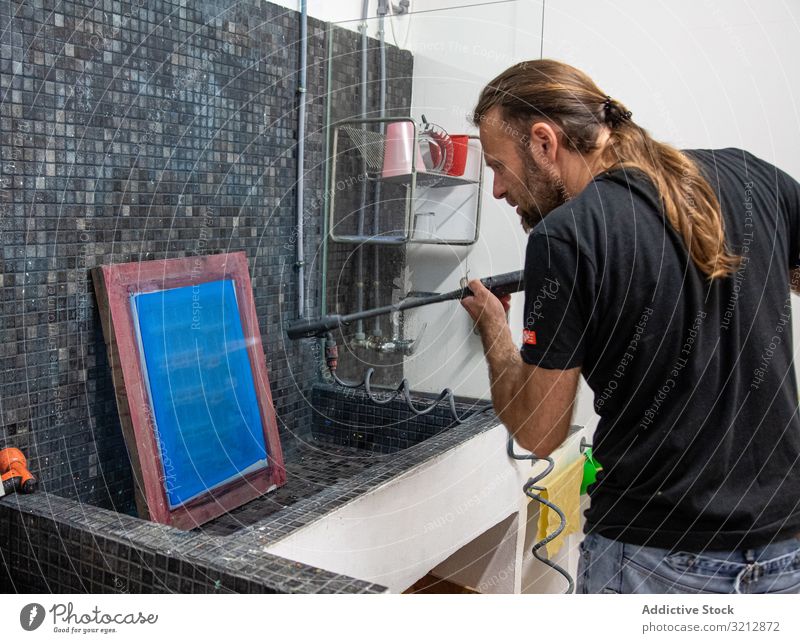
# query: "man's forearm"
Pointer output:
{"type": "Point", "coordinates": [535, 404]}
{"type": "Point", "coordinates": [506, 375]}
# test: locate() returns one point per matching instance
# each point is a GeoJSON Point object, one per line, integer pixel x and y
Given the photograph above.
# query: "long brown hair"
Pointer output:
{"type": "Point", "coordinates": [567, 97]}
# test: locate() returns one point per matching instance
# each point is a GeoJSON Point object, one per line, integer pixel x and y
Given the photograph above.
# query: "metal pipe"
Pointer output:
{"type": "Point", "coordinates": [327, 202]}
{"type": "Point", "coordinates": [359, 334]}
{"type": "Point", "coordinates": [383, 9]}
{"type": "Point", "coordinates": [301, 150]}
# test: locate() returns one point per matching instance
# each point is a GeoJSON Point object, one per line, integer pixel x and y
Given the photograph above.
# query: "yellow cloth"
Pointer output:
{"type": "Point", "coordinates": [564, 491]}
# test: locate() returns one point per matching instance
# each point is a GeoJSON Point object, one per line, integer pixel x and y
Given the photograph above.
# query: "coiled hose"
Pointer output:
{"type": "Point", "coordinates": [403, 389]}
{"type": "Point", "coordinates": [531, 484]}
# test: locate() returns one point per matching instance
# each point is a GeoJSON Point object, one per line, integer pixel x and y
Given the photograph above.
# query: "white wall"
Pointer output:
{"type": "Point", "coordinates": [696, 73]}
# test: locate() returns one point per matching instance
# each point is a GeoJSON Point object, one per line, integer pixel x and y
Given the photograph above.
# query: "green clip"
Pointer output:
{"type": "Point", "coordinates": [590, 469]}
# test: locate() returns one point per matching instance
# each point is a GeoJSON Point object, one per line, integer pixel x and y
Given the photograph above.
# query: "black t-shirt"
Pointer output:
{"type": "Point", "coordinates": [699, 434]}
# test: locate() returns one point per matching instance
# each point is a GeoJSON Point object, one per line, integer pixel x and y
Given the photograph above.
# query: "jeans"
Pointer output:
{"type": "Point", "coordinates": [611, 567]}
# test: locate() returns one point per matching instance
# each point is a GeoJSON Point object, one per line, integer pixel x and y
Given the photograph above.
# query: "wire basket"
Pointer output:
{"type": "Point", "coordinates": [369, 144]}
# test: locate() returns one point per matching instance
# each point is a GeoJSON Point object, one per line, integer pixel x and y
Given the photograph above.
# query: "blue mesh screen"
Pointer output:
{"type": "Point", "coordinates": [196, 367]}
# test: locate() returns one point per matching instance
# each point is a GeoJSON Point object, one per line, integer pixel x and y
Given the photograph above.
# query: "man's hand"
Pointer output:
{"type": "Point", "coordinates": [487, 311]}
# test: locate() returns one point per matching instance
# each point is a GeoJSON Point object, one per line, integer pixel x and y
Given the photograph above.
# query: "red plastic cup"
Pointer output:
{"type": "Point", "coordinates": [460, 150]}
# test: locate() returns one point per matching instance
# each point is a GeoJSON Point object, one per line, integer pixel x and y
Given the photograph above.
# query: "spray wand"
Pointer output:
{"type": "Point", "coordinates": [500, 285]}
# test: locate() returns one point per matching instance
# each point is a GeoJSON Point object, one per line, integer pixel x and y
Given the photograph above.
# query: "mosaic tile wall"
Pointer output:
{"type": "Point", "coordinates": [141, 130]}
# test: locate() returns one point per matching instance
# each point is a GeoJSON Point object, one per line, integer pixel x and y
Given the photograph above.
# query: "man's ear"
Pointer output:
{"type": "Point", "coordinates": [543, 143]}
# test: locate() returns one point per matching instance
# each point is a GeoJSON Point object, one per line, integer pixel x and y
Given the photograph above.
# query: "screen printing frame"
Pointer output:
{"type": "Point", "coordinates": [115, 285]}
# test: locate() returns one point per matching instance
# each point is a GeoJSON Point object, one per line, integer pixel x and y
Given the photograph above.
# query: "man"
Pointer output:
{"type": "Point", "coordinates": [664, 277]}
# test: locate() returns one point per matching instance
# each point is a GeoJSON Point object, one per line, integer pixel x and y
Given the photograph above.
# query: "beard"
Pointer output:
{"type": "Point", "coordinates": [544, 191]}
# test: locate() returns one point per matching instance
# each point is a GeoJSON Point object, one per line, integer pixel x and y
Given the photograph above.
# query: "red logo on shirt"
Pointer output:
{"type": "Point", "coordinates": [529, 337]}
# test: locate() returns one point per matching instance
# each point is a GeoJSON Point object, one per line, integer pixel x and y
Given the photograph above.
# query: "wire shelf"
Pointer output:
{"type": "Point", "coordinates": [368, 207]}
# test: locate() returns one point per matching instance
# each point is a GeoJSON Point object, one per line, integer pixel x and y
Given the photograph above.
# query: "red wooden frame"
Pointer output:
{"type": "Point", "coordinates": [114, 286]}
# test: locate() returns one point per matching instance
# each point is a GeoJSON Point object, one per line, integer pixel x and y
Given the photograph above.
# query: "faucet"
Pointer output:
{"type": "Point", "coordinates": [394, 344]}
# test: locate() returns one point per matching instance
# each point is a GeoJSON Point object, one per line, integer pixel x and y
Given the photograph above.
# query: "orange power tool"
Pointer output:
{"type": "Point", "coordinates": [14, 473]}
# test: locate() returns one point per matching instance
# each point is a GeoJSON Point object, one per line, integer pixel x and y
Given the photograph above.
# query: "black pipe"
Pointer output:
{"type": "Point", "coordinates": [500, 285]}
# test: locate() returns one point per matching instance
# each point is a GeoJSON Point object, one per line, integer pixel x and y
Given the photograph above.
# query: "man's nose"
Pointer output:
{"type": "Point", "coordinates": [498, 188]}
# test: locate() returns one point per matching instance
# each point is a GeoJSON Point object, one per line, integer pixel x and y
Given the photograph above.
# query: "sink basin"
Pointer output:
{"type": "Point", "coordinates": [50, 543]}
